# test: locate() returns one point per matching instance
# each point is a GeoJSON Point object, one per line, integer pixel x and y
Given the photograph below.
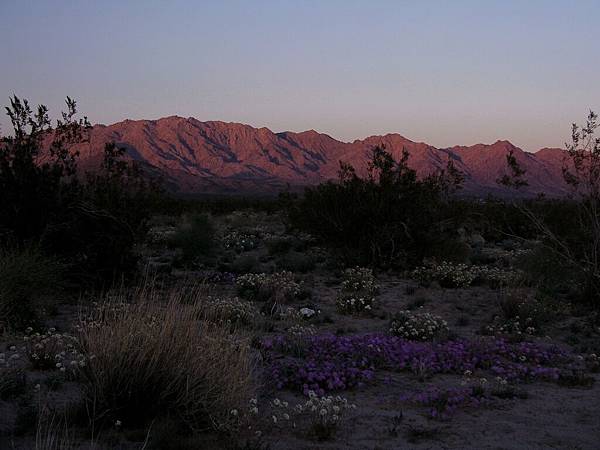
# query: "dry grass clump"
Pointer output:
{"type": "Point", "coordinates": [157, 357]}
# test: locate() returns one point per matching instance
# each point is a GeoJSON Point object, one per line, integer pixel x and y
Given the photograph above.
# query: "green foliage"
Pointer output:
{"type": "Point", "coordinates": [28, 283]}
{"type": "Point", "coordinates": [389, 218]}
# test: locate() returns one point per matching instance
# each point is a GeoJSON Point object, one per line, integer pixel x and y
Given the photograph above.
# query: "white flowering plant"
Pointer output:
{"type": "Point", "coordinates": [279, 287]}
{"type": "Point", "coordinates": [452, 275]}
{"type": "Point", "coordinates": [324, 413]}
{"type": "Point", "coordinates": [358, 291]}
{"type": "Point", "coordinates": [417, 326]}
{"type": "Point", "coordinates": [54, 350]}
{"type": "Point", "coordinates": [230, 311]}
{"type": "Point", "coordinates": [521, 316]}
{"type": "Point", "coordinates": [446, 273]}
{"type": "Point", "coordinates": [240, 242]}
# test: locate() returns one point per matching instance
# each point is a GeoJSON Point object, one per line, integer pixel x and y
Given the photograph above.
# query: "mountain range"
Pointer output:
{"type": "Point", "coordinates": [197, 157]}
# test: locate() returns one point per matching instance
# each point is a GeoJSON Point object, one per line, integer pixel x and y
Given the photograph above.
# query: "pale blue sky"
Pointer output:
{"type": "Point", "coordinates": [444, 72]}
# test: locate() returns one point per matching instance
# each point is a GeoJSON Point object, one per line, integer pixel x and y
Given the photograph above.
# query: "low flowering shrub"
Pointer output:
{"type": "Point", "coordinates": [446, 273]}
{"type": "Point", "coordinates": [325, 413]}
{"type": "Point", "coordinates": [451, 275]}
{"type": "Point", "coordinates": [417, 326]}
{"type": "Point", "coordinates": [515, 327]}
{"type": "Point", "coordinates": [53, 350]}
{"type": "Point", "coordinates": [240, 242]}
{"type": "Point", "coordinates": [520, 316]}
{"type": "Point", "coordinates": [358, 291]}
{"type": "Point", "coordinates": [337, 363]}
{"type": "Point", "coordinates": [279, 287]}
{"type": "Point", "coordinates": [230, 311]}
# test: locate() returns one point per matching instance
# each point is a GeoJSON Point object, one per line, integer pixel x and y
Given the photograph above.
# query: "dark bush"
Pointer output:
{"type": "Point", "coordinates": [195, 237]}
{"type": "Point", "coordinates": [388, 218]}
{"type": "Point", "coordinates": [29, 282]}
{"type": "Point", "coordinates": [91, 219]}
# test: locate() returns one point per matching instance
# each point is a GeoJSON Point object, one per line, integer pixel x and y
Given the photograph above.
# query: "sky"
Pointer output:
{"type": "Point", "coordinates": [442, 72]}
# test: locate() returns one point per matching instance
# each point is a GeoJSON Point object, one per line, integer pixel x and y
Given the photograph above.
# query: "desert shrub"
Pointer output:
{"type": "Point", "coordinates": [574, 237]}
{"type": "Point", "coordinates": [279, 287]}
{"type": "Point", "coordinates": [28, 283]}
{"type": "Point", "coordinates": [230, 311]}
{"type": "Point", "coordinates": [418, 326]}
{"type": "Point", "coordinates": [358, 291]}
{"type": "Point", "coordinates": [389, 218]}
{"type": "Point", "coordinates": [451, 275]}
{"type": "Point", "coordinates": [544, 269]}
{"type": "Point", "coordinates": [446, 273]}
{"type": "Point", "coordinates": [92, 219]}
{"type": "Point", "coordinates": [152, 358]}
{"type": "Point", "coordinates": [520, 315]}
{"type": "Point", "coordinates": [195, 237]}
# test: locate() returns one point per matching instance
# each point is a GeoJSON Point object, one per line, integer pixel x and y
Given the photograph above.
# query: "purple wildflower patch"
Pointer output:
{"type": "Point", "coordinates": [338, 363]}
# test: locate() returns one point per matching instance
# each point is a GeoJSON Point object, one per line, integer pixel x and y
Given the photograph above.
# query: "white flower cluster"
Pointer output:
{"type": "Point", "coordinates": [446, 273]}
{"type": "Point", "coordinates": [463, 275]}
{"type": "Point", "coordinates": [230, 311]}
{"type": "Point", "coordinates": [53, 350]}
{"type": "Point", "coordinates": [325, 413]}
{"type": "Point", "coordinates": [515, 326]}
{"type": "Point", "coordinates": [279, 286]}
{"type": "Point", "coordinates": [240, 242]}
{"type": "Point", "coordinates": [417, 326]}
{"type": "Point", "coordinates": [358, 291]}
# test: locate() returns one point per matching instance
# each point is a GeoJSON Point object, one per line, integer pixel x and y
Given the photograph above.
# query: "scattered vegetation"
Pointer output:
{"type": "Point", "coordinates": [191, 314]}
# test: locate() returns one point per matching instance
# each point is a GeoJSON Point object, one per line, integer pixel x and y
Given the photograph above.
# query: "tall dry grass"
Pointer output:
{"type": "Point", "coordinates": [157, 356]}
